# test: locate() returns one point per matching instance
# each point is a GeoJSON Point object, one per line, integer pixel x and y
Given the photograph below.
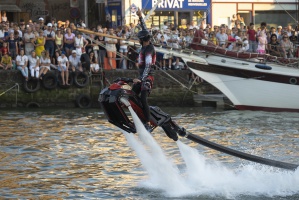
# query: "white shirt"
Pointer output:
{"type": "Point", "coordinates": [32, 61]}
{"type": "Point", "coordinates": [21, 59]}
{"type": "Point", "coordinates": [74, 61]}
{"type": "Point", "coordinates": [46, 33]}
{"type": "Point", "coordinates": [45, 60]}
{"type": "Point", "coordinates": [63, 60]}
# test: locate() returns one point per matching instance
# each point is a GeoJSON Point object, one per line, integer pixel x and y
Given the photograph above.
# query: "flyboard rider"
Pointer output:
{"type": "Point", "coordinates": [147, 57]}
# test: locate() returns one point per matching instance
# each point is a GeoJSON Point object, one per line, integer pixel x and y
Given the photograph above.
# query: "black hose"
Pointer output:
{"type": "Point", "coordinates": [242, 155]}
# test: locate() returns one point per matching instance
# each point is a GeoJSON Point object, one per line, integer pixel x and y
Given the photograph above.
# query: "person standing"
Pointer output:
{"type": "Point", "coordinates": [251, 35]}
{"type": "Point", "coordinates": [147, 57]}
{"type": "Point", "coordinates": [27, 39]}
{"type": "Point", "coordinates": [49, 34]}
{"type": "Point", "coordinates": [111, 47]}
{"type": "Point", "coordinates": [39, 43]}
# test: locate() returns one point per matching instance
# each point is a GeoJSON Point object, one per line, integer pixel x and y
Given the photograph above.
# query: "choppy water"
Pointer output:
{"type": "Point", "coordinates": [77, 154]}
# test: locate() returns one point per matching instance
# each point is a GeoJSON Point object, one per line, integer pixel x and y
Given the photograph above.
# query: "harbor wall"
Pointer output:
{"type": "Point", "coordinates": [167, 90]}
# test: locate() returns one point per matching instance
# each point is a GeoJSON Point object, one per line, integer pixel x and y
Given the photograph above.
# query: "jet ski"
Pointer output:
{"type": "Point", "coordinates": [115, 100]}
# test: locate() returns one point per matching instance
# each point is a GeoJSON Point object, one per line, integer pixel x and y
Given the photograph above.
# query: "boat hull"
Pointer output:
{"type": "Point", "coordinates": [251, 88]}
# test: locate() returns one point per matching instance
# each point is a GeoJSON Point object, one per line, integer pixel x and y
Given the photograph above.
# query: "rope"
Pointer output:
{"type": "Point", "coordinates": [286, 11]}
{"type": "Point", "coordinates": [16, 85]}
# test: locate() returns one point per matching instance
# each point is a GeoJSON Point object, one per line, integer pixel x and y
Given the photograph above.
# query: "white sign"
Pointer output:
{"type": "Point", "coordinates": [169, 3]}
{"type": "Point", "coordinates": [74, 3]}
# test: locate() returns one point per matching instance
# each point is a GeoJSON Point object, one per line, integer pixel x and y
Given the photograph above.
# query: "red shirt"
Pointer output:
{"type": "Point", "coordinates": [4, 50]}
{"type": "Point", "coordinates": [251, 33]}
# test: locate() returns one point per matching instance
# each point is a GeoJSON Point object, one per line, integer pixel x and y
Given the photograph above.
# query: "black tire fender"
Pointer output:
{"type": "Point", "coordinates": [32, 85]}
{"type": "Point", "coordinates": [32, 105]}
{"type": "Point", "coordinates": [83, 101]}
{"type": "Point", "coordinates": [81, 79]}
{"type": "Point", "coordinates": [49, 81]}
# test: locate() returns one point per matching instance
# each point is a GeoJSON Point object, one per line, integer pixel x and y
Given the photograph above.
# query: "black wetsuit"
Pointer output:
{"type": "Point", "coordinates": [147, 57]}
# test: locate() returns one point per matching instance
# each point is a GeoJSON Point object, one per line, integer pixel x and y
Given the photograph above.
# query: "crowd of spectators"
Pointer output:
{"type": "Point", "coordinates": [36, 47]}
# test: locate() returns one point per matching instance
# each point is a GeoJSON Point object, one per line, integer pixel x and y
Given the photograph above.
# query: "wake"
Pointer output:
{"type": "Point", "coordinates": [206, 178]}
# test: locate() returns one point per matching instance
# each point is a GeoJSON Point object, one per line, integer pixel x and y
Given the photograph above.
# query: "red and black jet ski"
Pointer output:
{"type": "Point", "coordinates": [115, 100]}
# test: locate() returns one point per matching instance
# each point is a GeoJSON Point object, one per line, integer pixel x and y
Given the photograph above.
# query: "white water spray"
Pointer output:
{"type": "Point", "coordinates": [207, 178]}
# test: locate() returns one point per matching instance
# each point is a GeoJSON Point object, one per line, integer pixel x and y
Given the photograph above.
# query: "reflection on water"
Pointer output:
{"type": "Point", "coordinates": [77, 154]}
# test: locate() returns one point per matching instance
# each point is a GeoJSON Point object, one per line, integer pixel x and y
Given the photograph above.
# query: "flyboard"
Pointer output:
{"type": "Point", "coordinates": [116, 98]}
{"type": "Point", "coordinates": [119, 96]}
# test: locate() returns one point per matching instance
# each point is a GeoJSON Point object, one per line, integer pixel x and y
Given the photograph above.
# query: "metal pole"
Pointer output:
{"type": "Point", "coordinates": [86, 13]}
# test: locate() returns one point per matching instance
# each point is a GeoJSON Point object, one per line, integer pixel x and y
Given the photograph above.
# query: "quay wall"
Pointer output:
{"type": "Point", "coordinates": [166, 91]}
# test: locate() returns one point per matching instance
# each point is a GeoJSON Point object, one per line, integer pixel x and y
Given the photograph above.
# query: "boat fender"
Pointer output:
{"type": "Point", "coordinates": [262, 66]}
{"type": "Point", "coordinates": [293, 81]}
{"type": "Point", "coordinates": [81, 79]}
{"type": "Point", "coordinates": [32, 105]}
{"type": "Point", "coordinates": [49, 81]}
{"type": "Point", "coordinates": [204, 42]}
{"type": "Point", "coordinates": [223, 60]}
{"type": "Point", "coordinates": [83, 101]}
{"type": "Point", "coordinates": [32, 85]}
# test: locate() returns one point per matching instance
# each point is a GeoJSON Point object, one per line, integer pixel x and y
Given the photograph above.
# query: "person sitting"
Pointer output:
{"type": "Point", "coordinates": [45, 62]}
{"type": "Point", "coordinates": [63, 66]}
{"type": "Point", "coordinates": [22, 61]}
{"type": "Point", "coordinates": [74, 62]}
{"type": "Point", "coordinates": [34, 64]}
{"type": "Point", "coordinates": [273, 46]}
{"type": "Point", "coordinates": [6, 61]}
{"type": "Point", "coordinates": [94, 66]}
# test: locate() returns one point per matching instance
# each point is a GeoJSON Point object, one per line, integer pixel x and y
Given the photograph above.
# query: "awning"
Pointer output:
{"type": "Point", "coordinates": [10, 8]}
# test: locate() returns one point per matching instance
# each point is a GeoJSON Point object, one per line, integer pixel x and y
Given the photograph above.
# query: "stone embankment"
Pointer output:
{"type": "Point", "coordinates": [166, 91]}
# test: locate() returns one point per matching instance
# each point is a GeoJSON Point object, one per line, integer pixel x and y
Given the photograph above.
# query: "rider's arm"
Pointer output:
{"type": "Point", "coordinates": [142, 23]}
{"type": "Point", "coordinates": [148, 64]}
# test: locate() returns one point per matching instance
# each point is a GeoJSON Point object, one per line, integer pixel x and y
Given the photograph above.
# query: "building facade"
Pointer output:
{"type": "Point", "coordinates": [273, 12]}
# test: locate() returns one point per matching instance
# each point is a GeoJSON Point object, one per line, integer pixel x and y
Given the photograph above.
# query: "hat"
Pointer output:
{"type": "Point", "coordinates": [279, 27]}
{"type": "Point", "coordinates": [74, 51]}
{"type": "Point", "coordinates": [63, 52]}
{"type": "Point", "coordinates": [41, 19]}
{"type": "Point", "coordinates": [49, 24]}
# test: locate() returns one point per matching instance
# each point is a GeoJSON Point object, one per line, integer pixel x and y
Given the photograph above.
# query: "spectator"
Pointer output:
{"type": "Point", "coordinates": [69, 40]}
{"type": "Point", "coordinates": [6, 61]}
{"type": "Point", "coordinates": [4, 17]}
{"type": "Point", "coordinates": [102, 50]}
{"type": "Point", "coordinates": [49, 34]}
{"type": "Point", "coordinates": [41, 23]}
{"type": "Point", "coordinates": [54, 63]}
{"type": "Point", "coordinates": [34, 64]}
{"type": "Point", "coordinates": [293, 38]}
{"type": "Point", "coordinates": [12, 46]}
{"type": "Point", "coordinates": [80, 44]}
{"type": "Point", "coordinates": [222, 38]}
{"type": "Point", "coordinates": [262, 43]}
{"type": "Point", "coordinates": [4, 49]}
{"type": "Point", "coordinates": [251, 35]}
{"type": "Point", "coordinates": [39, 43]}
{"type": "Point", "coordinates": [94, 66]}
{"type": "Point", "coordinates": [58, 40]}
{"type": "Point", "coordinates": [45, 62]}
{"type": "Point", "coordinates": [74, 62]}
{"type": "Point", "coordinates": [287, 47]}
{"type": "Point", "coordinates": [110, 47]}
{"type": "Point", "coordinates": [22, 61]}
{"type": "Point", "coordinates": [123, 50]}
{"type": "Point", "coordinates": [63, 66]}
{"type": "Point", "coordinates": [273, 46]}
{"type": "Point", "coordinates": [27, 39]}
{"type": "Point", "coordinates": [278, 32]}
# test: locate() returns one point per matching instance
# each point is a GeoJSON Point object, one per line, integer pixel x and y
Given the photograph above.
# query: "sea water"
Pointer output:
{"type": "Point", "coordinates": [77, 154]}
